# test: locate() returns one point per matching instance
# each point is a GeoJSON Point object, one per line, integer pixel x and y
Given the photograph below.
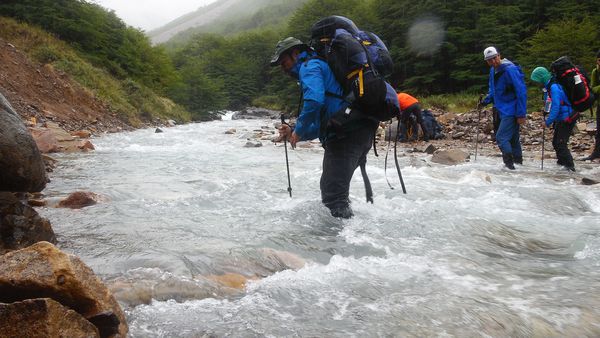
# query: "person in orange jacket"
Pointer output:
{"type": "Point", "coordinates": [409, 105]}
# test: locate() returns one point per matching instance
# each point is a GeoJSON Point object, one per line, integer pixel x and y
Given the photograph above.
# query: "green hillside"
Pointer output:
{"type": "Point", "coordinates": [97, 49]}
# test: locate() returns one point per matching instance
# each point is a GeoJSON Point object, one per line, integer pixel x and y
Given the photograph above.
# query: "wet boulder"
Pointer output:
{"type": "Point", "coordinates": [21, 164]}
{"type": "Point", "coordinates": [20, 225]}
{"type": "Point", "coordinates": [79, 199]}
{"type": "Point", "coordinates": [43, 317]}
{"type": "Point", "coordinates": [450, 157]}
{"type": "Point", "coordinates": [253, 144]}
{"type": "Point", "coordinates": [43, 271]}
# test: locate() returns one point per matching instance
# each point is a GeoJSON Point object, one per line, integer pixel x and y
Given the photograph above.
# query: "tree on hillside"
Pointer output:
{"type": "Point", "coordinates": [575, 38]}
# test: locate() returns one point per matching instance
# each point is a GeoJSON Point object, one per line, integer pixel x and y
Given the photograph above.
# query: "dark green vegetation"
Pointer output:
{"type": "Point", "coordinates": [436, 45]}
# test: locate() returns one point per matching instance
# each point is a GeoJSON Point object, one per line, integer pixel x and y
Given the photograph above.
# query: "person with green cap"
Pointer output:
{"type": "Point", "coordinates": [595, 85]}
{"type": "Point", "coordinates": [559, 109]}
{"type": "Point", "coordinates": [346, 147]}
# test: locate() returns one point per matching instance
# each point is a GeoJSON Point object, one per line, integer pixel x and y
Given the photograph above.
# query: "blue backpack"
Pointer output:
{"type": "Point", "coordinates": [359, 61]}
{"type": "Point", "coordinates": [434, 128]}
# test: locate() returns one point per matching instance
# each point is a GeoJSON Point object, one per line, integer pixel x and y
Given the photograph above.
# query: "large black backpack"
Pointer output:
{"type": "Point", "coordinates": [575, 83]}
{"type": "Point", "coordinates": [359, 61]}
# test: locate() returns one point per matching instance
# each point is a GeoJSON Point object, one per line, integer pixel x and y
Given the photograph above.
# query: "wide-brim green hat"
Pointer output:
{"type": "Point", "coordinates": [284, 46]}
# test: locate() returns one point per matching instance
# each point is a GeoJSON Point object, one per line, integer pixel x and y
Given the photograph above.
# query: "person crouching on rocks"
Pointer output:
{"type": "Point", "coordinates": [559, 110]}
{"type": "Point", "coordinates": [409, 105]}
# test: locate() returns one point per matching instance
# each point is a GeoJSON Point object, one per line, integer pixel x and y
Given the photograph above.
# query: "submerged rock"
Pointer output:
{"type": "Point", "coordinates": [450, 157]}
{"type": "Point", "coordinates": [588, 181]}
{"type": "Point", "coordinates": [79, 199]}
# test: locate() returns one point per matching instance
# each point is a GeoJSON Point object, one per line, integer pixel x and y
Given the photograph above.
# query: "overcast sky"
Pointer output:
{"type": "Point", "coordinates": [150, 14]}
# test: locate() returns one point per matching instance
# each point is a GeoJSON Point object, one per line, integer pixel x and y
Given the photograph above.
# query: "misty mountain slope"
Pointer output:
{"type": "Point", "coordinates": [226, 17]}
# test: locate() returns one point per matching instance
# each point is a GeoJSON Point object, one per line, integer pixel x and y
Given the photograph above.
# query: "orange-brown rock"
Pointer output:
{"type": "Point", "coordinates": [231, 280]}
{"type": "Point", "coordinates": [43, 317]}
{"type": "Point", "coordinates": [79, 199]}
{"type": "Point", "coordinates": [82, 133]}
{"type": "Point", "coordinates": [46, 140]}
{"type": "Point", "coordinates": [43, 271]}
{"type": "Point", "coordinates": [86, 145]}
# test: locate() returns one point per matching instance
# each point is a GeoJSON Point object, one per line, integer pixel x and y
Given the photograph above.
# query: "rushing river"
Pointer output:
{"type": "Point", "coordinates": [471, 251]}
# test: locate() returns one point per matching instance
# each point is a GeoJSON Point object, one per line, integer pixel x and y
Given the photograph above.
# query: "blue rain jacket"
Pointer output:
{"type": "Point", "coordinates": [507, 90]}
{"type": "Point", "coordinates": [560, 109]}
{"type": "Point", "coordinates": [316, 79]}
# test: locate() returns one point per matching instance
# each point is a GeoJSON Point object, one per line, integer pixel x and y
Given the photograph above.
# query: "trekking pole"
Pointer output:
{"type": "Point", "coordinates": [478, 122]}
{"type": "Point", "coordinates": [398, 165]}
{"type": "Point", "coordinates": [287, 163]}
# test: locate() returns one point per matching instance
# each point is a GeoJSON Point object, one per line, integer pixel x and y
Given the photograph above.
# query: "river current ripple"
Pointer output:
{"type": "Point", "coordinates": [471, 251]}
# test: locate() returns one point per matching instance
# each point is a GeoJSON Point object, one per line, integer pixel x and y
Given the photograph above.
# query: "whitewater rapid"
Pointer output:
{"type": "Point", "coordinates": [471, 250]}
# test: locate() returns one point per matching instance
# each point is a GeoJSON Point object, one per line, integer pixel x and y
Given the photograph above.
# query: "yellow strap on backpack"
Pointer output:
{"type": "Point", "coordinates": [361, 87]}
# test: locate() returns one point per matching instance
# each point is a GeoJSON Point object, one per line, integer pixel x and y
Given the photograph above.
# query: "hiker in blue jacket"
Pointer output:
{"type": "Point", "coordinates": [508, 93]}
{"type": "Point", "coordinates": [345, 148]}
{"type": "Point", "coordinates": [559, 111]}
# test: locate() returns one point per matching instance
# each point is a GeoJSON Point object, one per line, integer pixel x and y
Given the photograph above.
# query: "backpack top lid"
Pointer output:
{"type": "Point", "coordinates": [560, 65]}
{"type": "Point", "coordinates": [326, 27]}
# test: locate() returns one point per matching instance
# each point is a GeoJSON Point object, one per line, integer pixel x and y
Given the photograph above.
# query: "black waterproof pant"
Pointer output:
{"type": "Point", "coordinates": [415, 109]}
{"type": "Point", "coordinates": [342, 157]}
{"type": "Point", "coordinates": [560, 142]}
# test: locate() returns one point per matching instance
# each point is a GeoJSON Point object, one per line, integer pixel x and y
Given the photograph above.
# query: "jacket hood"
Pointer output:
{"type": "Point", "coordinates": [302, 57]}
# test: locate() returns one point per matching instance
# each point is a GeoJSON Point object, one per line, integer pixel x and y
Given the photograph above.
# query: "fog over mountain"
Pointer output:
{"type": "Point", "coordinates": [226, 17]}
{"type": "Point", "coordinates": [153, 13]}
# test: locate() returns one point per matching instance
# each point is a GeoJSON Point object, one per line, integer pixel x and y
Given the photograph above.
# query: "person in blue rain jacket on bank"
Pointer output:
{"type": "Point", "coordinates": [560, 114]}
{"type": "Point", "coordinates": [322, 99]}
{"type": "Point", "coordinates": [508, 93]}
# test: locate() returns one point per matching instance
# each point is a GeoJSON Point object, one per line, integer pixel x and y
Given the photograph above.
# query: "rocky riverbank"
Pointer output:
{"type": "Point", "coordinates": [460, 133]}
{"type": "Point", "coordinates": [43, 291]}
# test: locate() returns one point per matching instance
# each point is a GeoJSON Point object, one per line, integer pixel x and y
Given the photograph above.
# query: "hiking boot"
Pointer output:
{"type": "Point", "coordinates": [508, 161]}
{"type": "Point", "coordinates": [518, 160]}
{"type": "Point", "coordinates": [594, 155]}
{"type": "Point", "coordinates": [342, 212]}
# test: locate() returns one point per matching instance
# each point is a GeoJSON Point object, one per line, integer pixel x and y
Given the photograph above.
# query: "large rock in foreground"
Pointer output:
{"type": "Point", "coordinates": [20, 225]}
{"type": "Point", "coordinates": [43, 318]}
{"type": "Point", "coordinates": [43, 271]}
{"type": "Point", "coordinates": [21, 164]}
